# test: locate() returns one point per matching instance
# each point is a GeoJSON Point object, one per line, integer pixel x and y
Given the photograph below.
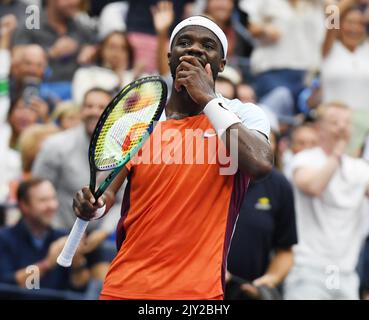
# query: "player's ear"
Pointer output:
{"type": "Point", "coordinates": [222, 65]}
{"type": "Point", "coordinates": [169, 55]}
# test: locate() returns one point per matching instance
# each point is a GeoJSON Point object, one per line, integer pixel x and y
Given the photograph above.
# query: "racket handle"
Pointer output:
{"type": "Point", "coordinates": [66, 256]}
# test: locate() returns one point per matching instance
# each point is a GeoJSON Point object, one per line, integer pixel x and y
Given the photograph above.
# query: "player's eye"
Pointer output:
{"type": "Point", "coordinates": [208, 46]}
{"type": "Point", "coordinates": [184, 43]}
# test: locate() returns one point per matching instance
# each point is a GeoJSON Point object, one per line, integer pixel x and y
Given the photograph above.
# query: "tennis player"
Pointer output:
{"type": "Point", "coordinates": [178, 216]}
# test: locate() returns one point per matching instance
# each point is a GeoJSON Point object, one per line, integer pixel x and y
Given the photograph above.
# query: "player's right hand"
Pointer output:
{"type": "Point", "coordinates": [85, 205]}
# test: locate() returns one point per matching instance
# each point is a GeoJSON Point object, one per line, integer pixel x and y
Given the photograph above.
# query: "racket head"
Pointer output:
{"type": "Point", "coordinates": [125, 124]}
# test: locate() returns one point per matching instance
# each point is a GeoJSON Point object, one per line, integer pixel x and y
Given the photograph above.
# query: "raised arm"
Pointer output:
{"type": "Point", "coordinates": [314, 181]}
{"type": "Point", "coordinates": [163, 17]}
{"type": "Point", "coordinates": [331, 35]}
{"type": "Point", "coordinates": [254, 154]}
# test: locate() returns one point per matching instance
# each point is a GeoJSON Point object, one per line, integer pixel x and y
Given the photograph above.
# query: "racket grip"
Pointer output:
{"type": "Point", "coordinates": [66, 256]}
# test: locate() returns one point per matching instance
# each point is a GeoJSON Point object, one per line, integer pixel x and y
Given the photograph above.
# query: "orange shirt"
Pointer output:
{"type": "Point", "coordinates": [177, 219]}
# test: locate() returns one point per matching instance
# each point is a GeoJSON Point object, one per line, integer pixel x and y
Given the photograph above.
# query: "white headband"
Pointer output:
{"type": "Point", "coordinates": [203, 22]}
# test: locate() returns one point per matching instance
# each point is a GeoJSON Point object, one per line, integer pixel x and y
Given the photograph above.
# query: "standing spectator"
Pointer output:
{"type": "Point", "coordinates": [27, 78]}
{"type": "Point", "coordinates": [289, 34]}
{"type": "Point", "coordinates": [345, 69]}
{"type": "Point", "coordinates": [32, 241]}
{"type": "Point", "coordinates": [261, 249]}
{"type": "Point", "coordinates": [330, 193]}
{"type": "Point", "coordinates": [67, 42]}
{"type": "Point", "coordinates": [30, 63]}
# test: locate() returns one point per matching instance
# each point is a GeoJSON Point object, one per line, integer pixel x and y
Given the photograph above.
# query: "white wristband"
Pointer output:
{"type": "Point", "coordinates": [99, 212]}
{"type": "Point", "coordinates": [219, 115]}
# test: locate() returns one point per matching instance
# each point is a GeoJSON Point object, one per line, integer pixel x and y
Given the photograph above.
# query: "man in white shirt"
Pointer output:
{"type": "Point", "coordinates": [330, 197]}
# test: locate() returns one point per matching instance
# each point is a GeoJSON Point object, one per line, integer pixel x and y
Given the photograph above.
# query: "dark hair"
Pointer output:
{"type": "Point", "coordinates": [128, 44]}
{"type": "Point", "coordinates": [97, 89]}
{"type": "Point", "coordinates": [25, 186]}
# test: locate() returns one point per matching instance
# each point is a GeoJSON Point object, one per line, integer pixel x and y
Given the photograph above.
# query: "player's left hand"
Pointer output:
{"type": "Point", "coordinates": [197, 80]}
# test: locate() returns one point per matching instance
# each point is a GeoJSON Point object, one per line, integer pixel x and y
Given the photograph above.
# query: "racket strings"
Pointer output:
{"type": "Point", "coordinates": [127, 125]}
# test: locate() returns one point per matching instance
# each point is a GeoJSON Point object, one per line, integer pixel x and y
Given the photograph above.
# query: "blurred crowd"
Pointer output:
{"type": "Point", "coordinates": [302, 233]}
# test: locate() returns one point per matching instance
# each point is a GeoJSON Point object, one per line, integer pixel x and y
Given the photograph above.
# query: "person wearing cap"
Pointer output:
{"type": "Point", "coordinates": [179, 209]}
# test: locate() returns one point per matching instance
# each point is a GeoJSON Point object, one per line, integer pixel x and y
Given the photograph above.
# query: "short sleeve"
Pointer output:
{"type": "Point", "coordinates": [251, 115]}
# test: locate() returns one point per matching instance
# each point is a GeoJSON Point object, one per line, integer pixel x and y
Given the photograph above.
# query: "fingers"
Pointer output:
{"type": "Point", "coordinates": [85, 204]}
{"type": "Point", "coordinates": [192, 60]}
{"type": "Point", "coordinates": [87, 194]}
{"type": "Point", "coordinates": [185, 69]}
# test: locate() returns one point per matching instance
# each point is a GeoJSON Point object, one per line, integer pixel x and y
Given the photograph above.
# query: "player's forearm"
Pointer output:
{"type": "Point", "coordinates": [280, 266]}
{"type": "Point", "coordinates": [315, 182]}
{"type": "Point", "coordinates": [253, 150]}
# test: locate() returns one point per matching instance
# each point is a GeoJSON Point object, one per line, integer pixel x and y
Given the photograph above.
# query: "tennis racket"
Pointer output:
{"type": "Point", "coordinates": [121, 131]}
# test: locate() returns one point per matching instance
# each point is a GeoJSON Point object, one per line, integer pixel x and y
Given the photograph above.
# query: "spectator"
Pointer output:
{"type": "Point", "coordinates": [30, 142]}
{"type": "Point", "coordinates": [10, 161]}
{"type": "Point", "coordinates": [330, 191]}
{"type": "Point", "coordinates": [261, 248]}
{"type": "Point", "coordinates": [113, 70]}
{"type": "Point", "coordinates": [66, 115]}
{"type": "Point", "coordinates": [27, 79]}
{"type": "Point", "coordinates": [289, 35]}
{"type": "Point", "coordinates": [302, 137]}
{"type": "Point", "coordinates": [66, 42]}
{"type": "Point", "coordinates": [163, 16]}
{"type": "Point", "coordinates": [63, 160]}
{"type": "Point", "coordinates": [33, 242]}
{"type": "Point", "coordinates": [345, 69]}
